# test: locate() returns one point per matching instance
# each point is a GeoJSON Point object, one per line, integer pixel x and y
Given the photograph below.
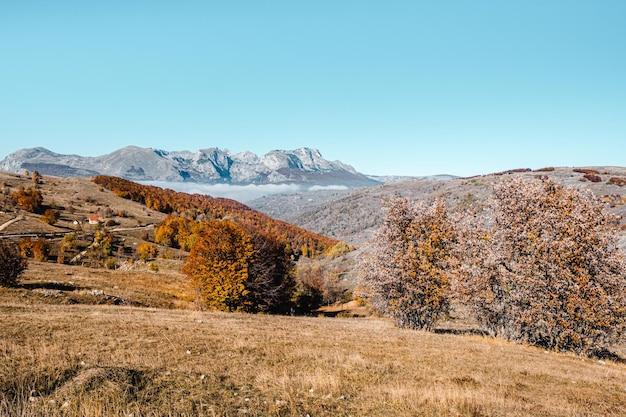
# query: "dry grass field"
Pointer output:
{"type": "Point", "coordinates": [67, 354]}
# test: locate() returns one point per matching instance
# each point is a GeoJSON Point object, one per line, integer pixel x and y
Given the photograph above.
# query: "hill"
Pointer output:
{"type": "Point", "coordinates": [353, 215]}
{"type": "Point", "coordinates": [129, 211]}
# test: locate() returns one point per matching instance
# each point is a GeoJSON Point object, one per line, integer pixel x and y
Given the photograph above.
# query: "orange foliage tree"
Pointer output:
{"type": "Point", "coordinates": [218, 266]}
{"type": "Point", "coordinates": [30, 200]}
{"type": "Point", "coordinates": [406, 274]}
{"type": "Point", "coordinates": [233, 269]}
{"type": "Point", "coordinates": [147, 251]}
{"type": "Point", "coordinates": [50, 216]}
{"type": "Point", "coordinates": [41, 250]}
{"type": "Point", "coordinates": [543, 268]}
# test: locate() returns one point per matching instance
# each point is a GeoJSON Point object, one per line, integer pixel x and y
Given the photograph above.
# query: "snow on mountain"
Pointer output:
{"type": "Point", "coordinates": [205, 166]}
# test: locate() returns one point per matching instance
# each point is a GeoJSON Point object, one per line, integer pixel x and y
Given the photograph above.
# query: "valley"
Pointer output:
{"type": "Point", "coordinates": [83, 339]}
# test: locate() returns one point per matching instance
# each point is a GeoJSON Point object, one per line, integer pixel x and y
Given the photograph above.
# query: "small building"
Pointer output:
{"type": "Point", "coordinates": [94, 219]}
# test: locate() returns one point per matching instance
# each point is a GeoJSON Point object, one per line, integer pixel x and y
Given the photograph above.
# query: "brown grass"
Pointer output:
{"type": "Point", "coordinates": [75, 360]}
{"type": "Point", "coordinates": [133, 285]}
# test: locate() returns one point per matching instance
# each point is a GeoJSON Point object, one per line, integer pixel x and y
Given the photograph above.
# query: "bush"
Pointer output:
{"type": "Point", "coordinates": [544, 269]}
{"type": "Point", "coordinates": [147, 251]}
{"type": "Point", "coordinates": [110, 264]}
{"type": "Point", "coordinates": [406, 273]}
{"type": "Point", "coordinates": [50, 216]}
{"type": "Point", "coordinates": [29, 200]}
{"type": "Point", "coordinates": [620, 181]}
{"type": "Point", "coordinates": [41, 250]}
{"type": "Point", "coordinates": [12, 265]}
{"type": "Point", "coordinates": [592, 177]}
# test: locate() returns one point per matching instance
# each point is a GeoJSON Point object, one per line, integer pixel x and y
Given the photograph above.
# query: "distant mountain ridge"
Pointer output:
{"type": "Point", "coordinates": [208, 166]}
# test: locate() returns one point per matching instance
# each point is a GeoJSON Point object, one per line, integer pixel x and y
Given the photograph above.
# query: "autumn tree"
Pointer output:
{"type": "Point", "coordinates": [544, 268]}
{"type": "Point", "coordinates": [50, 216]}
{"type": "Point", "coordinates": [104, 241]}
{"type": "Point", "coordinates": [26, 247]}
{"type": "Point", "coordinates": [12, 264]}
{"type": "Point", "coordinates": [147, 251]}
{"type": "Point", "coordinates": [68, 242]}
{"type": "Point", "coordinates": [29, 200]}
{"type": "Point", "coordinates": [270, 275]}
{"type": "Point", "coordinates": [218, 266]}
{"type": "Point", "coordinates": [308, 294]}
{"type": "Point", "coordinates": [406, 274]}
{"type": "Point", "coordinates": [234, 269]}
{"type": "Point", "coordinates": [40, 250]}
{"type": "Point", "coordinates": [178, 232]}
{"type": "Point", "coordinates": [36, 178]}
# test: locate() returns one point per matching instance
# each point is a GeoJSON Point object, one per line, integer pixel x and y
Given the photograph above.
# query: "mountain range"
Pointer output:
{"type": "Point", "coordinates": [206, 166]}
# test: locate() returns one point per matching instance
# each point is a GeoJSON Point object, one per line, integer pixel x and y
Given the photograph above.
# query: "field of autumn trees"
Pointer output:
{"type": "Point", "coordinates": [240, 259]}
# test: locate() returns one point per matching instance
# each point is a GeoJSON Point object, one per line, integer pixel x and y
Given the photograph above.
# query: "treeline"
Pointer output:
{"type": "Point", "coordinates": [540, 265]}
{"type": "Point", "coordinates": [198, 207]}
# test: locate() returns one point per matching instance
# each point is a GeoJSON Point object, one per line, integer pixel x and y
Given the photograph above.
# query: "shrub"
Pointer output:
{"type": "Point", "coordinates": [41, 250]}
{"type": "Point", "coordinates": [406, 273]}
{"type": "Point", "coordinates": [12, 264]}
{"type": "Point", "coordinates": [620, 181]}
{"type": "Point", "coordinates": [29, 200]}
{"type": "Point", "coordinates": [50, 216]}
{"type": "Point", "coordinates": [68, 242]}
{"type": "Point", "coordinates": [543, 269]}
{"type": "Point", "coordinates": [26, 247]}
{"type": "Point", "coordinates": [147, 251]}
{"type": "Point", "coordinates": [592, 177]}
{"type": "Point", "coordinates": [110, 264]}
{"type": "Point", "coordinates": [586, 171]}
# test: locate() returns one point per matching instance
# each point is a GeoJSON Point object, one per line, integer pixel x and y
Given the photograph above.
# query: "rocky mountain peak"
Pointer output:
{"type": "Point", "coordinates": [208, 166]}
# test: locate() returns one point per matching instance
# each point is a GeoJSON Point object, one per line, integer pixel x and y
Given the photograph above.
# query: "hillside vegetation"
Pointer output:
{"type": "Point", "coordinates": [114, 223]}
{"type": "Point", "coordinates": [353, 216]}
{"type": "Point", "coordinates": [78, 338]}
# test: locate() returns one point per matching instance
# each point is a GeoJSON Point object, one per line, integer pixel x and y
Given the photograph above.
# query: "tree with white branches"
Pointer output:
{"type": "Point", "coordinates": [406, 274]}
{"type": "Point", "coordinates": [544, 268]}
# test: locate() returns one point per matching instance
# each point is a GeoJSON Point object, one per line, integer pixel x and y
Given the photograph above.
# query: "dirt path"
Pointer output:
{"type": "Point", "coordinates": [10, 222]}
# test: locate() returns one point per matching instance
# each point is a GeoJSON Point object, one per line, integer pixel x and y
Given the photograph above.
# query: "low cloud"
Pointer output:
{"type": "Point", "coordinates": [242, 193]}
{"type": "Point", "coordinates": [328, 187]}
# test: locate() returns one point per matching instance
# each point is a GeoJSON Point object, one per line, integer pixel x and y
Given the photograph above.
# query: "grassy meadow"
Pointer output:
{"type": "Point", "coordinates": [68, 349]}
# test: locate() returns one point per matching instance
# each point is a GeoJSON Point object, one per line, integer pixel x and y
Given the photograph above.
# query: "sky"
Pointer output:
{"type": "Point", "coordinates": [390, 87]}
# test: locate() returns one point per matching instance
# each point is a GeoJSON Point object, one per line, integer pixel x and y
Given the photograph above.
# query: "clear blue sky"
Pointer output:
{"type": "Point", "coordinates": [390, 87]}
